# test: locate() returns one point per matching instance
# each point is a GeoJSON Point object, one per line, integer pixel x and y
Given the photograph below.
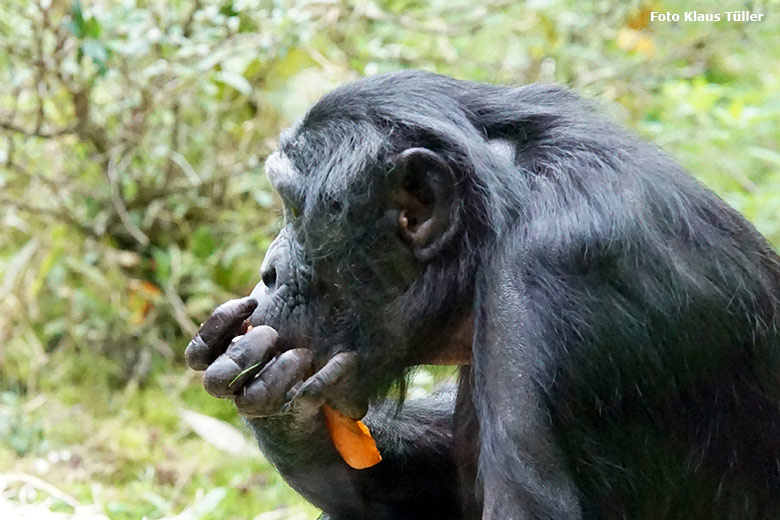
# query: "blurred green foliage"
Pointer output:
{"type": "Point", "coordinates": [132, 197]}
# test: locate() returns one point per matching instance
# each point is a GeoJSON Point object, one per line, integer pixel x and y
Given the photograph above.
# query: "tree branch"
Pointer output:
{"type": "Point", "coordinates": [46, 134]}
{"type": "Point", "coordinates": [49, 213]}
{"type": "Point", "coordinates": [119, 204]}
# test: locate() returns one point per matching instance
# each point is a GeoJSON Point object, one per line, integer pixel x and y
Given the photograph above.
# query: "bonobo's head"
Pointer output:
{"type": "Point", "coordinates": [386, 223]}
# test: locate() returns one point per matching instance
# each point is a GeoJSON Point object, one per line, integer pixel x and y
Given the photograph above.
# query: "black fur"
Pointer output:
{"type": "Point", "coordinates": [626, 349]}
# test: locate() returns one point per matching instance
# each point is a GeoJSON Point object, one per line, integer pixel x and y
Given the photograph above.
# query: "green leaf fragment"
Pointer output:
{"type": "Point", "coordinates": [245, 371]}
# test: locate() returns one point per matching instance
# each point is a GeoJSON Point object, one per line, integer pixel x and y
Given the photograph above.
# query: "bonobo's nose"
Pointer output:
{"type": "Point", "coordinates": [268, 274]}
{"type": "Point", "coordinates": [276, 270]}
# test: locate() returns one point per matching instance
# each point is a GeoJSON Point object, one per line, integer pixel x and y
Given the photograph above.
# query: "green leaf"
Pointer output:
{"type": "Point", "coordinates": [245, 371]}
{"type": "Point", "coordinates": [203, 243]}
{"type": "Point", "coordinates": [91, 28]}
{"type": "Point", "coordinates": [79, 26]}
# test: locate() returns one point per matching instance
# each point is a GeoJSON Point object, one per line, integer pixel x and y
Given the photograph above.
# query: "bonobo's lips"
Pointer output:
{"type": "Point", "coordinates": [291, 332]}
{"type": "Point", "coordinates": [285, 312]}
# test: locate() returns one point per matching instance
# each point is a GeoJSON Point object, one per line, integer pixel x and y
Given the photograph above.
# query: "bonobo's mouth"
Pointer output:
{"type": "Point", "coordinates": [297, 325]}
{"type": "Point", "coordinates": [286, 321]}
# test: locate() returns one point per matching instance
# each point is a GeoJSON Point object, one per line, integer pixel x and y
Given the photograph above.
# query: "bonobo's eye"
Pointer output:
{"type": "Point", "coordinates": [292, 213]}
{"type": "Point", "coordinates": [292, 207]}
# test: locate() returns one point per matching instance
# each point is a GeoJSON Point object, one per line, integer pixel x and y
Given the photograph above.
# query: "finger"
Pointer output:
{"type": "Point", "coordinates": [245, 357]}
{"type": "Point", "coordinates": [264, 395]}
{"type": "Point", "coordinates": [335, 370]}
{"type": "Point", "coordinates": [215, 335]}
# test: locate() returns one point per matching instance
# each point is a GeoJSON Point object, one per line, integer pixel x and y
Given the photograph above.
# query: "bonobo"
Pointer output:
{"type": "Point", "coordinates": [617, 325]}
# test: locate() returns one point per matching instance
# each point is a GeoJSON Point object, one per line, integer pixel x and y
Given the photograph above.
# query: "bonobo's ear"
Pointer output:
{"type": "Point", "coordinates": [424, 191]}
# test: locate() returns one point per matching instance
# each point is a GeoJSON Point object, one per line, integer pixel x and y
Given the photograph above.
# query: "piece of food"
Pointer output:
{"type": "Point", "coordinates": [352, 439]}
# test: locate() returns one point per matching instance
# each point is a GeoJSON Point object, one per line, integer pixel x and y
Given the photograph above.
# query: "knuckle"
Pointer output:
{"type": "Point", "coordinates": [238, 350]}
{"type": "Point", "coordinates": [303, 355]}
{"type": "Point", "coordinates": [342, 363]}
{"type": "Point", "coordinates": [222, 312]}
{"type": "Point", "coordinates": [312, 387]}
{"type": "Point", "coordinates": [294, 361]}
{"type": "Point", "coordinates": [251, 348]}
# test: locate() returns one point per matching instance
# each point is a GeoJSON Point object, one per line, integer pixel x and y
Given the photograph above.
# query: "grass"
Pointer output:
{"type": "Point", "coordinates": [132, 456]}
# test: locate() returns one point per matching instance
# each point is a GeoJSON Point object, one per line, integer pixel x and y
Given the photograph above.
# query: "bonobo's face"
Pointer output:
{"type": "Point", "coordinates": [364, 238]}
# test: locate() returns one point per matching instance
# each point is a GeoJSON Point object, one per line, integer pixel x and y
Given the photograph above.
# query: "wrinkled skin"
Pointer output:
{"type": "Point", "coordinates": [616, 324]}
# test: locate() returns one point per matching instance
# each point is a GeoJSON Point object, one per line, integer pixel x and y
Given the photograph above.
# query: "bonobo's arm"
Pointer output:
{"type": "Point", "coordinates": [417, 476]}
{"type": "Point", "coordinates": [522, 472]}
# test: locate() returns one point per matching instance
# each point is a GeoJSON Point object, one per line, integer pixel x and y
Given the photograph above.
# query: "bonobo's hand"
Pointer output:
{"type": "Point", "coordinates": [259, 374]}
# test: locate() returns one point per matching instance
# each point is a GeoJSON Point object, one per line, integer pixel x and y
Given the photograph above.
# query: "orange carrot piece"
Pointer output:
{"type": "Point", "coordinates": [352, 439]}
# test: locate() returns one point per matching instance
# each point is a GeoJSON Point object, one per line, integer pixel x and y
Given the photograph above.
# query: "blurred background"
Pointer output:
{"type": "Point", "coordinates": [133, 198]}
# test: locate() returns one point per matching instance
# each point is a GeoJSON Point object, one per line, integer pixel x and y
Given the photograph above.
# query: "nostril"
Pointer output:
{"type": "Point", "coordinates": [269, 277]}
